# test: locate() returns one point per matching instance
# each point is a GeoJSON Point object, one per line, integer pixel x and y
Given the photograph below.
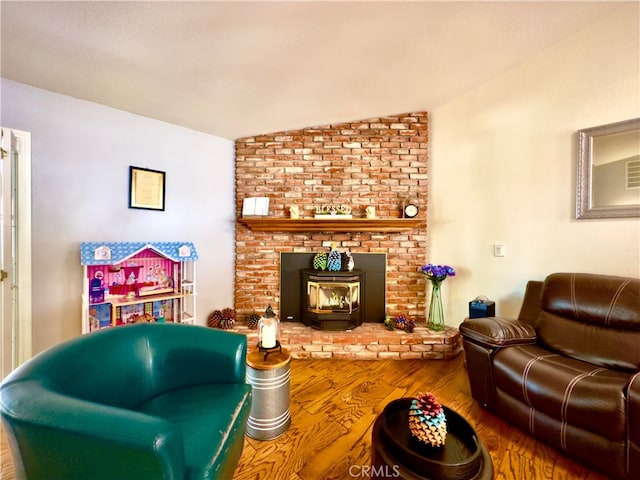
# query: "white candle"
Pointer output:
{"type": "Point", "coordinates": [268, 336]}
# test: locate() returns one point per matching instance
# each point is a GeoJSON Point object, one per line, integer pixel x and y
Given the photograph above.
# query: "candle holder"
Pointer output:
{"type": "Point", "coordinates": [268, 332]}
{"type": "Point", "coordinates": [267, 351]}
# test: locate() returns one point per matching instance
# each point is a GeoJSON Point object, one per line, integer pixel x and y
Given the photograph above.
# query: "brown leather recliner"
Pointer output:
{"type": "Point", "coordinates": [568, 369]}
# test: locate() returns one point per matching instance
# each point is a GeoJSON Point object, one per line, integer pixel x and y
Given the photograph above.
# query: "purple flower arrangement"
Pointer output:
{"type": "Point", "coordinates": [438, 273]}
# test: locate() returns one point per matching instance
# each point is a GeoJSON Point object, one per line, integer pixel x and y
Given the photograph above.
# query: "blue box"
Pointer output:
{"type": "Point", "coordinates": [482, 308]}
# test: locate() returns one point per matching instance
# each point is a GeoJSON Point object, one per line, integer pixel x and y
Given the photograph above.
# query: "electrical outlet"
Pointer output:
{"type": "Point", "coordinates": [498, 249]}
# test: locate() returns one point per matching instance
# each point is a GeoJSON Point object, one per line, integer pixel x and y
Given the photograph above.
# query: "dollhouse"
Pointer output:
{"type": "Point", "coordinates": [130, 282]}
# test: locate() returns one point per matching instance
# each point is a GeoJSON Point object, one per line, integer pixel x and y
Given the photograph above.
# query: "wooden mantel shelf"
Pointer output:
{"type": "Point", "coordinates": [383, 225]}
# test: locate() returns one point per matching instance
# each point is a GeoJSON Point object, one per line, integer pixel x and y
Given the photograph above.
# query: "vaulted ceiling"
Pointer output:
{"type": "Point", "coordinates": [238, 68]}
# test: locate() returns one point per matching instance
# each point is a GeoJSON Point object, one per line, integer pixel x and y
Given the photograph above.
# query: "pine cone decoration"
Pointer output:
{"type": "Point", "coordinates": [401, 322]}
{"type": "Point", "coordinates": [410, 325]}
{"type": "Point", "coordinates": [320, 261]}
{"type": "Point", "coordinates": [427, 421]}
{"type": "Point", "coordinates": [227, 323]}
{"type": "Point", "coordinates": [228, 313]}
{"type": "Point", "coordinates": [252, 321]}
{"type": "Point", "coordinates": [228, 318]}
{"type": "Point", "coordinates": [213, 320]}
{"type": "Point", "coordinates": [334, 261]}
{"type": "Point", "coordinates": [347, 262]}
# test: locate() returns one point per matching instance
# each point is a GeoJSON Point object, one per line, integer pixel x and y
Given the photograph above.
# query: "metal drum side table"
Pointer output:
{"type": "Point", "coordinates": [270, 379]}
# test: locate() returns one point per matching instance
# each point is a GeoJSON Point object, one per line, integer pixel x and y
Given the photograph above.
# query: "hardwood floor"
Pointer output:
{"type": "Point", "coordinates": [335, 402]}
{"type": "Point", "coordinates": [6, 464]}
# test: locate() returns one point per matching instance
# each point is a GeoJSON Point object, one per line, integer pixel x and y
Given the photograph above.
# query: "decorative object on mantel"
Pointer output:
{"type": "Point", "coordinates": [255, 206]}
{"type": "Point", "coordinates": [332, 211]}
{"type": "Point", "coordinates": [427, 421]}
{"type": "Point", "coordinates": [436, 274]}
{"type": "Point", "coordinates": [294, 212]}
{"type": "Point", "coordinates": [410, 207]}
{"type": "Point", "coordinates": [370, 211]}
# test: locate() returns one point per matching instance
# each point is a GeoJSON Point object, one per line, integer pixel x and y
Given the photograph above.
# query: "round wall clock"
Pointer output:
{"type": "Point", "coordinates": [410, 208]}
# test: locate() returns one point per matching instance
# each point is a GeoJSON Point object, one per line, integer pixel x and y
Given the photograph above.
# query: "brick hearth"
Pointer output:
{"type": "Point", "coordinates": [370, 341]}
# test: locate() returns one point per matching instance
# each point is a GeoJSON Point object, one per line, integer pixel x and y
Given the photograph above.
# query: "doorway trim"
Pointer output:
{"type": "Point", "coordinates": [23, 237]}
{"type": "Point", "coordinates": [20, 319]}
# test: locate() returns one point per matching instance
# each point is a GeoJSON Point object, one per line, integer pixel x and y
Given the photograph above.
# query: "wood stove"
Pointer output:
{"type": "Point", "coordinates": [332, 300]}
{"type": "Point", "coordinates": [293, 290]}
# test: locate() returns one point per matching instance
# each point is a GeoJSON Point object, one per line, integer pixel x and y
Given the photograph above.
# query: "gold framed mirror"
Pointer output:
{"type": "Point", "coordinates": [608, 171]}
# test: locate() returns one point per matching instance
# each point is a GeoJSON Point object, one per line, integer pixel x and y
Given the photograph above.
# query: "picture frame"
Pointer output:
{"type": "Point", "coordinates": [604, 153]}
{"type": "Point", "coordinates": [146, 188]}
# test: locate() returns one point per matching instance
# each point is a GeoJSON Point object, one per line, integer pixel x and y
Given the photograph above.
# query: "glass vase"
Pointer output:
{"type": "Point", "coordinates": [436, 314]}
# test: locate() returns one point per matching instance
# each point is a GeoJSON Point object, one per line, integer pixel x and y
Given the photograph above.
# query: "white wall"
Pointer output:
{"type": "Point", "coordinates": [503, 166]}
{"type": "Point", "coordinates": [81, 153]}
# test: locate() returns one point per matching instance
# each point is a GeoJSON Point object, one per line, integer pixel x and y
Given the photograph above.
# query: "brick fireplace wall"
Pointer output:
{"type": "Point", "coordinates": [378, 162]}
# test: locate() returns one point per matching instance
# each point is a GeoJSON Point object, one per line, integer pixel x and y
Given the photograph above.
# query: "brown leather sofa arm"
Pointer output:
{"type": "Point", "coordinates": [481, 337]}
{"type": "Point", "coordinates": [494, 332]}
{"type": "Point", "coordinates": [633, 428]}
{"type": "Point", "coordinates": [530, 309]}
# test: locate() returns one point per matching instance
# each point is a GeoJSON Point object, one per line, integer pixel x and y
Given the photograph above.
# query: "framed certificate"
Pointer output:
{"type": "Point", "coordinates": [146, 188]}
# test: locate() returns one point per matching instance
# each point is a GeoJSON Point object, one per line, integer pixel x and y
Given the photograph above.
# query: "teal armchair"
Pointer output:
{"type": "Point", "coordinates": [135, 402]}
